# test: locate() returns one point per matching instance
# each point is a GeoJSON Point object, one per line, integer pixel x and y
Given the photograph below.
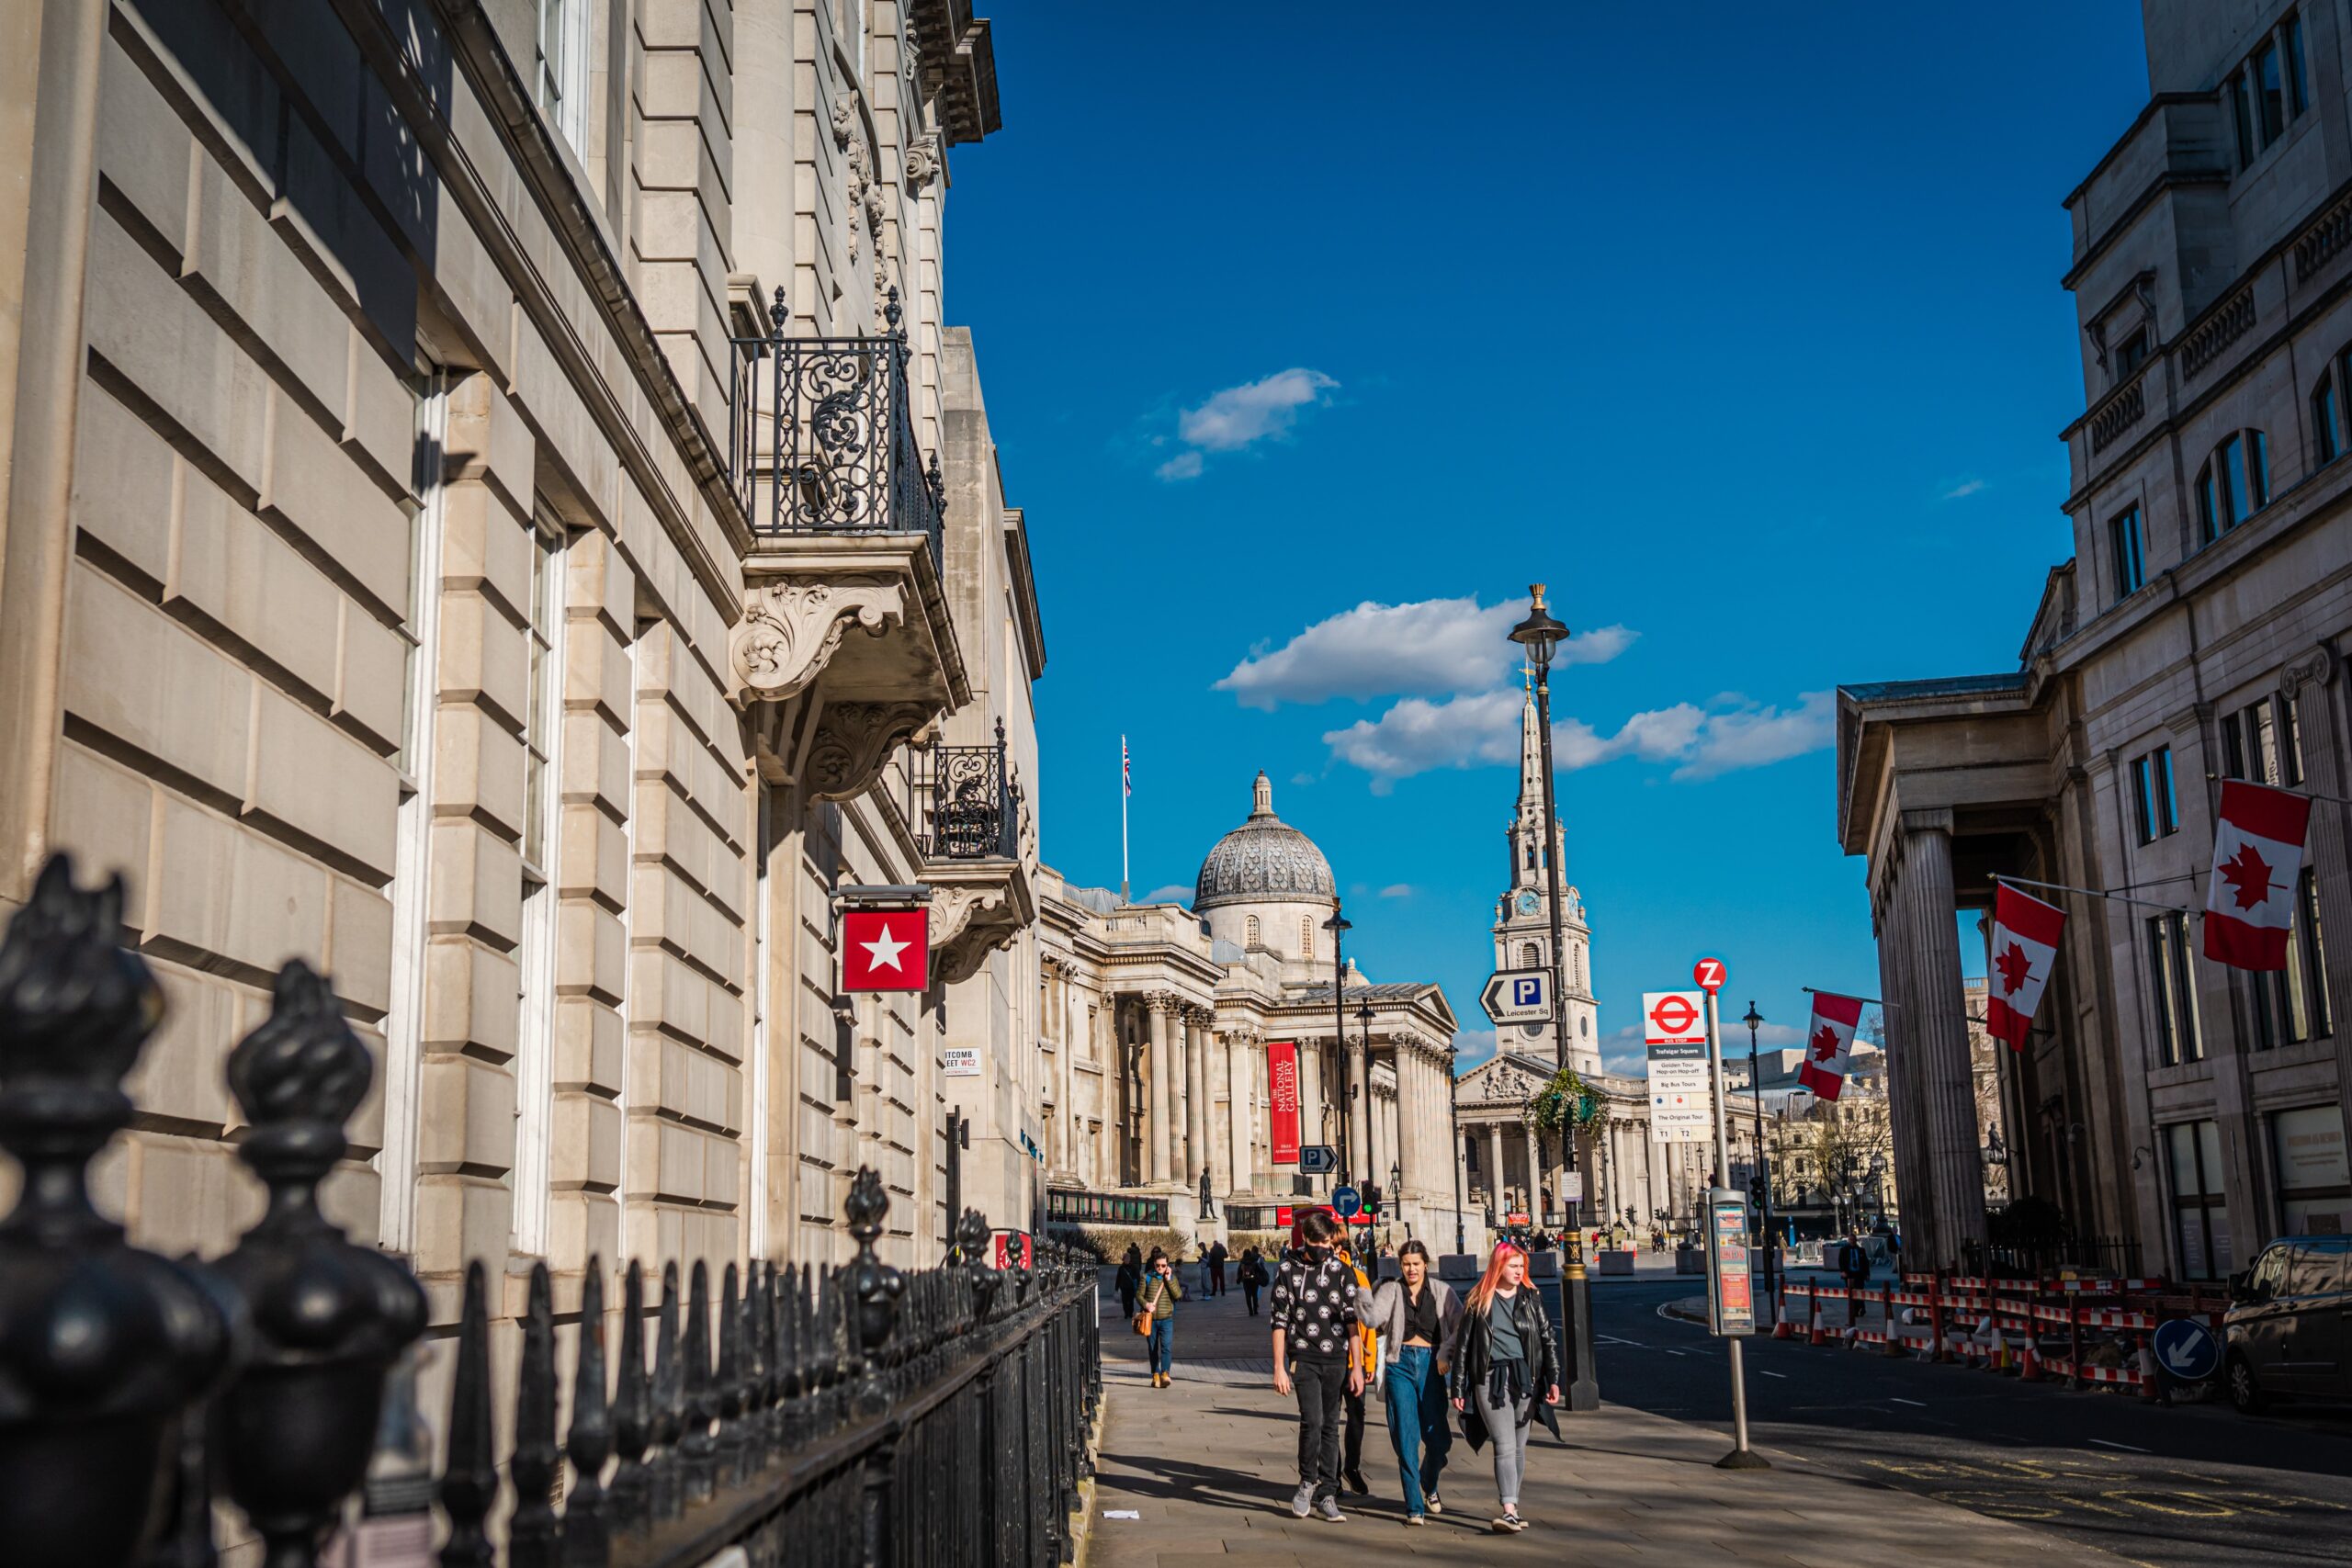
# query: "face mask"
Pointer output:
{"type": "Point", "coordinates": [1318, 1253]}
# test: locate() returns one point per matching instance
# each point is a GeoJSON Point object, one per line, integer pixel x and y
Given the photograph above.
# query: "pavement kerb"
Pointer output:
{"type": "Point", "coordinates": [1690, 1309]}
{"type": "Point", "coordinates": [1082, 1525]}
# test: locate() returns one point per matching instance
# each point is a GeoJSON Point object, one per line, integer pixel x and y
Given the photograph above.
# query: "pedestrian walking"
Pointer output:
{"type": "Point", "coordinates": [1506, 1371]}
{"type": "Point", "coordinates": [1158, 1296]}
{"type": "Point", "coordinates": [1416, 1315]}
{"type": "Point", "coordinates": [1854, 1265]}
{"type": "Point", "coordinates": [1318, 1356]}
{"type": "Point", "coordinates": [1252, 1277]}
{"type": "Point", "coordinates": [1368, 1351]}
{"type": "Point", "coordinates": [1217, 1255]}
{"type": "Point", "coordinates": [1129, 1280]}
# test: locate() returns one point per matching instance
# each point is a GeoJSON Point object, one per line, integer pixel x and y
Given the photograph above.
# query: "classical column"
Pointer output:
{"type": "Point", "coordinates": [1159, 1133]}
{"type": "Point", "coordinates": [1494, 1168]}
{"type": "Point", "coordinates": [2313, 684]}
{"type": "Point", "coordinates": [1310, 1094]}
{"type": "Point", "coordinates": [1536, 1175]}
{"type": "Point", "coordinates": [1944, 1090]}
{"type": "Point", "coordinates": [1358, 1110]}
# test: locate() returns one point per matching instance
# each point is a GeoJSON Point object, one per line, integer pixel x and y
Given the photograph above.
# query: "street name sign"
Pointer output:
{"type": "Point", "coordinates": [1318, 1159]}
{"type": "Point", "coordinates": [1519, 996]}
{"type": "Point", "coordinates": [1345, 1203]}
{"type": "Point", "coordinates": [960, 1062]}
{"type": "Point", "coordinates": [1572, 1186]}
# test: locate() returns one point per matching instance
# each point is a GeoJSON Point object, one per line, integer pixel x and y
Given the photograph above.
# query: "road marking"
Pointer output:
{"type": "Point", "coordinates": [1612, 1339]}
{"type": "Point", "coordinates": [1674, 1352]}
{"type": "Point", "coordinates": [1916, 1404]}
{"type": "Point", "coordinates": [1782, 1376]}
{"type": "Point", "coordinates": [2127, 1447]}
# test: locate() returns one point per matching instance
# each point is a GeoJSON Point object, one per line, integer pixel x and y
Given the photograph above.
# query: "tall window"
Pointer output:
{"type": "Point", "coordinates": [1250, 933]}
{"type": "Point", "coordinates": [2327, 439]}
{"type": "Point", "coordinates": [2263, 742]}
{"type": "Point", "coordinates": [2200, 1217]}
{"type": "Point", "coordinates": [560, 77]}
{"type": "Point", "coordinates": [2172, 1000]}
{"type": "Point", "coordinates": [2314, 1186]}
{"type": "Point", "coordinates": [1307, 936]}
{"type": "Point", "coordinates": [2152, 797]}
{"type": "Point", "coordinates": [2270, 91]}
{"type": "Point", "coordinates": [2289, 1006]}
{"type": "Point", "coordinates": [1530, 955]}
{"type": "Point", "coordinates": [534, 1063]}
{"type": "Point", "coordinates": [2234, 483]}
{"type": "Point", "coordinates": [2131, 558]}
{"type": "Point", "coordinates": [2132, 352]}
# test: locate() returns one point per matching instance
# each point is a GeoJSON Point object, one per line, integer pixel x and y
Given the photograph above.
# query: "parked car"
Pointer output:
{"type": "Point", "coordinates": [2290, 1326]}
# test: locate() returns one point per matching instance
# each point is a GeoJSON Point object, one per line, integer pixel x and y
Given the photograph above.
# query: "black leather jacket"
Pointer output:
{"type": "Point", "coordinates": [1471, 1356]}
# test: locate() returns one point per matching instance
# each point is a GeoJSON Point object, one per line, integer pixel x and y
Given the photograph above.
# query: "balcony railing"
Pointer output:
{"type": "Point", "coordinates": [856, 1415]}
{"type": "Point", "coordinates": [1068, 1208]}
{"type": "Point", "coordinates": [963, 803]}
{"type": "Point", "coordinates": [822, 438]}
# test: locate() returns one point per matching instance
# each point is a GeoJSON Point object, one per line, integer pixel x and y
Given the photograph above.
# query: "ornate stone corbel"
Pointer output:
{"type": "Point", "coordinates": [790, 628]}
{"type": "Point", "coordinates": [853, 739]}
{"type": "Point", "coordinates": [966, 925]}
{"type": "Point", "coordinates": [845, 117]}
{"type": "Point", "coordinates": [922, 161]}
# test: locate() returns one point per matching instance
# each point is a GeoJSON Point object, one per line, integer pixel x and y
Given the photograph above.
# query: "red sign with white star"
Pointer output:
{"type": "Point", "coordinates": [886, 950]}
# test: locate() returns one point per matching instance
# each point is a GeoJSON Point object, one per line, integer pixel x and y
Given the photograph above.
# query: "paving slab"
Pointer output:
{"type": "Point", "coordinates": [1208, 1468]}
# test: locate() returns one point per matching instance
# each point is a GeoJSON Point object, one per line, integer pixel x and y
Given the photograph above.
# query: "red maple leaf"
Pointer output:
{"type": "Point", "coordinates": [1825, 1044]}
{"type": "Point", "coordinates": [2249, 878]}
{"type": "Point", "coordinates": [2015, 969]}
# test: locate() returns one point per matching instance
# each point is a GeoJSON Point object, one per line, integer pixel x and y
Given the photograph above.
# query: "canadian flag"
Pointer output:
{"type": "Point", "coordinates": [1829, 1042]}
{"type": "Point", "coordinates": [2257, 850]}
{"type": "Point", "coordinates": [2025, 942]}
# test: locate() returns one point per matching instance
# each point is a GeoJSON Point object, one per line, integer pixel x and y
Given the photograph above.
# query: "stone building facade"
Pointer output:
{"type": "Point", "coordinates": [496, 509]}
{"type": "Point", "coordinates": [1157, 1020]}
{"type": "Point", "coordinates": [2198, 632]}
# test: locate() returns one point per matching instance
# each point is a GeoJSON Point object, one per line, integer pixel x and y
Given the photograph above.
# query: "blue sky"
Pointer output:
{"type": "Point", "coordinates": [1740, 327]}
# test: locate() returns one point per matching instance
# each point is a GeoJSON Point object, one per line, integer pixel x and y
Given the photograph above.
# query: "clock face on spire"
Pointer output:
{"type": "Point", "coordinates": [1528, 902]}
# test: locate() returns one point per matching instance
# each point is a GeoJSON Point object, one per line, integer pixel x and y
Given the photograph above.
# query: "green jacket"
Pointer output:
{"type": "Point", "coordinates": [1160, 1296]}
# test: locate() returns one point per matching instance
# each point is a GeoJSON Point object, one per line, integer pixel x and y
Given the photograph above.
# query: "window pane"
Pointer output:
{"type": "Point", "coordinates": [2299, 94]}
{"type": "Point", "coordinates": [2232, 747]}
{"type": "Point", "coordinates": [2209, 515]}
{"type": "Point", "coordinates": [2245, 120]}
{"type": "Point", "coordinates": [2314, 950]}
{"type": "Point", "coordinates": [2145, 799]}
{"type": "Point", "coordinates": [2290, 753]}
{"type": "Point", "coordinates": [2258, 472]}
{"type": "Point", "coordinates": [2183, 1137]}
{"type": "Point", "coordinates": [2324, 437]}
{"type": "Point", "coordinates": [2160, 992]}
{"type": "Point", "coordinates": [2167, 804]}
{"type": "Point", "coordinates": [2266, 743]}
{"type": "Point", "coordinates": [2273, 94]}
{"type": "Point", "coordinates": [2231, 460]}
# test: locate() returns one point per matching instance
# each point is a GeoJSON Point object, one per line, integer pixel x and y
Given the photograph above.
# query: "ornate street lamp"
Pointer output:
{"type": "Point", "coordinates": [1755, 1021]}
{"type": "Point", "coordinates": [1540, 635]}
{"type": "Point", "coordinates": [1338, 925]}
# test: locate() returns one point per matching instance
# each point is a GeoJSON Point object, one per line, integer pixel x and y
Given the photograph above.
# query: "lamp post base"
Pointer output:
{"type": "Point", "coordinates": [1581, 1391]}
{"type": "Point", "coordinates": [1743, 1458]}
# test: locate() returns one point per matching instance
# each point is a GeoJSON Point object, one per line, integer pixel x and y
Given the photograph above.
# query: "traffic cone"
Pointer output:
{"type": "Point", "coordinates": [1814, 1334]}
{"type": "Point", "coordinates": [2029, 1362]}
{"type": "Point", "coordinates": [1997, 1349]}
{"type": "Point", "coordinates": [1782, 1328]}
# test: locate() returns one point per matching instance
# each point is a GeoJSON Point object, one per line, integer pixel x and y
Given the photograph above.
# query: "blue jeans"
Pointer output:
{"type": "Point", "coordinates": [1163, 1345]}
{"type": "Point", "coordinates": [1417, 1423]}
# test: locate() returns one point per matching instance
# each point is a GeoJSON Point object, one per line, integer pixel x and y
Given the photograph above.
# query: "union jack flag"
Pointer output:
{"type": "Point", "coordinates": [1126, 767]}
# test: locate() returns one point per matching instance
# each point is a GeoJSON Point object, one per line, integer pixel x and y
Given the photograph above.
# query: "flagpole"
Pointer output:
{"type": "Point", "coordinates": [1123, 818]}
{"type": "Point", "coordinates": [2095, 892]}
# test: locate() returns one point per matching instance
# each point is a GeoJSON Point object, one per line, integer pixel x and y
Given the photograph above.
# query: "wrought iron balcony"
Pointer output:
{"type": "Point", "coordinates": [964, 802]}
{"type": "Point", "coordinates": [822, 438]}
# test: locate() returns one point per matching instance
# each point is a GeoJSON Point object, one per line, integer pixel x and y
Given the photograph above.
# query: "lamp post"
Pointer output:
{"type": "Point", "coordinates": [1540, 634]}
{"type": "Point", "coordinates": [1338, 925]}
{"type": "Point", "coordinates": [1755, 1021]}
{"type": "Point", "coordinates": [1453, 1153]}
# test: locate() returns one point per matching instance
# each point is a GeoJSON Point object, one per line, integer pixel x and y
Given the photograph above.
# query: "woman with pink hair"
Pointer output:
{"type": "Point", "coordinates": [1502, 1356]}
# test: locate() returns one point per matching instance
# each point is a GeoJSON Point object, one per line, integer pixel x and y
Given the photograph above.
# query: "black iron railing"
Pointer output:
{"type": "Point", "coordinates": [822, 437]}
{"type": "Point", "coordinates": [2106, 1255]}
{"type": "Point", "coordinates": [854, 1415]}
{"type": "Point", "coordinates": [964, 802]}
{"type": "Point", "coordinates": [1071, 1208]}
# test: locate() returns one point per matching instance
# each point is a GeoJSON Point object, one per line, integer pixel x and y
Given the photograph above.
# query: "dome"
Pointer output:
{"type": "Point", "coordinates": [1263, 860]}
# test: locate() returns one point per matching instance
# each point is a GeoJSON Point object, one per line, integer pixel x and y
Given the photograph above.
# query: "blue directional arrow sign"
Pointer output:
{"type": "Point", "coordinates": [1347, 1202]}
{"type": "Point", "coordinates": [2186, 1349]}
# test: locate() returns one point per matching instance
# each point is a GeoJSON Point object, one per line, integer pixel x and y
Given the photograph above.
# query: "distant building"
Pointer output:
{"type": "Point", "coordinates": [2198, 633]}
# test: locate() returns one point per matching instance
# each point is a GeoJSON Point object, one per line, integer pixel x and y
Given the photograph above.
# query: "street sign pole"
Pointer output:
{"type": "Point", "coordinates": [1741, 1457]}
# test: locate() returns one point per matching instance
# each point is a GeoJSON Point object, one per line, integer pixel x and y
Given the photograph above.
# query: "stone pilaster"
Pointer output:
{"type": "Point", "coordinates": [1196, 1097]}
{"type": "Point", "coordinates": [2315, 684]}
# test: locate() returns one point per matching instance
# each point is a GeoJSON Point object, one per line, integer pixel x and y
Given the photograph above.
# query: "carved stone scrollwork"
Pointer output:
{"type": "Point", "coordinates": [966, 925]}
{"type": "Point", "coordinates": [852, 741]}
{"type": "Point", "coordinates": [791, 628]}
{"type": "Point", "coordinates": [923, 162]}
{"type": "Point", "coordinates": [1162, 1001]}
{"type": "Point", "coordinates": [2315, 668]}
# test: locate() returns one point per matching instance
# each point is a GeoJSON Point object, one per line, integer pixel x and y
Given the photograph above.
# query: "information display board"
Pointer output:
{"type": "Point", "coordinates": [1731, 1296]}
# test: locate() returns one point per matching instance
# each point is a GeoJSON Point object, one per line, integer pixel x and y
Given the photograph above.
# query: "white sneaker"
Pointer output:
{"type": "Point", "coordinates": [1435, 1505]}
{"type": "Point", "coordinates": [1329, 1509]}
{"type": "Point", "coordinates": [1302, 1502]}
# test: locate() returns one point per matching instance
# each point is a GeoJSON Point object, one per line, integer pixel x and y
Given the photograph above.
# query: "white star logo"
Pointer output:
{"type": "Point", "coordinates": [883, 953]}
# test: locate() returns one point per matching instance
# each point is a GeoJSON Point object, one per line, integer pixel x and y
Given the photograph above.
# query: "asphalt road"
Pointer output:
{"type": "Point", "coordinates": [2188, 1485]}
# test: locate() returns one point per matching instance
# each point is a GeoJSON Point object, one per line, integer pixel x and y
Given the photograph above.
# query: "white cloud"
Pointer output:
{"type": "Point", "coordinates": [1427, 649]}
{"type": "Point", "coordinates": [1472, 1047]}
{"type": "Point", "coordinates": [1241, 416]}
{"type": "Point", "coordinates": [1398, 890]}
{"type": "Point", "coordinates": [1749, 738]}
{"type": "Point", "coordinates": [1964, 490]}
{"type": "Point", "coordinates": [1417, 736]}
{"type": "Point", "coordinates": [1174, 892]}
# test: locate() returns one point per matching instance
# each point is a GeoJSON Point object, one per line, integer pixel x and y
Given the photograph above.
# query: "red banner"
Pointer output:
{"type": "Point", "coordinates": [1282, 1072]}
